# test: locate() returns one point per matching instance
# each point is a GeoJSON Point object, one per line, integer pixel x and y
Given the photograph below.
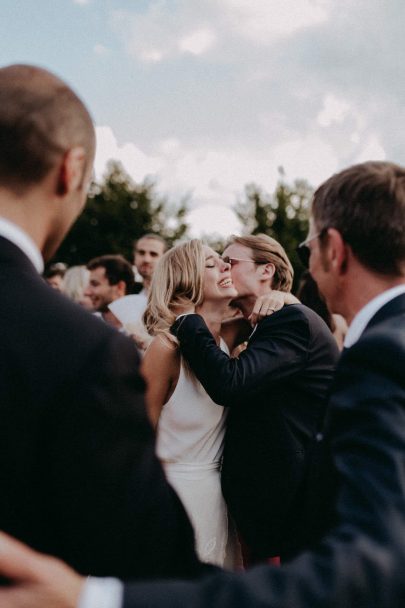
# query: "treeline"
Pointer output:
{"type": "Point", "coordinates": [118, 211]}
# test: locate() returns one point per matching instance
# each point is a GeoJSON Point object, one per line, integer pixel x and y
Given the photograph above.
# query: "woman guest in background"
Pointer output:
{"type": "Point", "coordinates": [74, 285]}
{"type": "Point", "coordinates": [190, 426]}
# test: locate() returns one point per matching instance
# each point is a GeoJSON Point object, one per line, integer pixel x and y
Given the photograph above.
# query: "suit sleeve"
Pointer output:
{"type": "Point", "coordinates": [125, 520]}
{"type": "Point", "coordinates": [360, 563]}
{"type": "Point", "coordinates": [277, 350]}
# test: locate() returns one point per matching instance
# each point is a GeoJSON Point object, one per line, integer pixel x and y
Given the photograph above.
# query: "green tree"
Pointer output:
{"type": "Point", "coordinates": [118, 211]}
{"type": "Point", "coordinates": [282, 215]}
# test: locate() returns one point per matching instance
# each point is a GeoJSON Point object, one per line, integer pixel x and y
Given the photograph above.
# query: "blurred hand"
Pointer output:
{"type": "Point", "coordinates": [37, 581]}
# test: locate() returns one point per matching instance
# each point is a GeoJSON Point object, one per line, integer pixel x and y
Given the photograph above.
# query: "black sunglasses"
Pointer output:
{"type": "Point", "coordinates": [304, 252]}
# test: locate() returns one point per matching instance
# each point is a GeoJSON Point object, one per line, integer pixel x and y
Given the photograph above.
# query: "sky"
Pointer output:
{"type": "Point", "coordinates": [205, 96]}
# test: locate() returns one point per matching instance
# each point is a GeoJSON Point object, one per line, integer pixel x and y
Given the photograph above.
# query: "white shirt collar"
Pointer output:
{"type": "Point", "coordinates": [23, 241]}
{"type": "Point", "coordinates": [361, 320]}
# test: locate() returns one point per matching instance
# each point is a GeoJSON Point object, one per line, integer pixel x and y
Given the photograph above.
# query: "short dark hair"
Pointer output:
{"type": "Point", "coordinates": [116, 268]}
{"type": "Point", "coordinates": [154, 237]}
{"type": "Point", "coordinates": [40, 119]}
{"type": "Point", "coordinates": [366, 204]}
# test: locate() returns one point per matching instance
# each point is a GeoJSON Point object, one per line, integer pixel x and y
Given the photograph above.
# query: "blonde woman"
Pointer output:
{"type": "Point", "coordinates": [190, 425]}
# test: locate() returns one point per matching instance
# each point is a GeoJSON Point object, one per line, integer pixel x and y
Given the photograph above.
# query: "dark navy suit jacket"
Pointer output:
{"type": "Point", "coordinates": [79, 477]}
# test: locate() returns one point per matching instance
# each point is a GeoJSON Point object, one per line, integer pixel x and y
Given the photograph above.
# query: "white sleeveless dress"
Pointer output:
{"type": "Point", "coordinates": [190, 440]}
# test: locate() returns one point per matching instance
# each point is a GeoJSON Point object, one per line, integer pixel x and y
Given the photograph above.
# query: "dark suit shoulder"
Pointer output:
{"type": "Point", "coordinates": [296, 318]}
{"type": "Point", "coordinates": [381, 349]}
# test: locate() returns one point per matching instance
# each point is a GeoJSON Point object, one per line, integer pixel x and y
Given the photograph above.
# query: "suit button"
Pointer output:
{"type": "Point", "coordinates": [319, 437]}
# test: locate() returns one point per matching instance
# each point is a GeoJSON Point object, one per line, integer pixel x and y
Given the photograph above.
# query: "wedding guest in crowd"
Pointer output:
{"type": "Point", "coordinates": [74, 285]}
{"type": "Point", "coordinates": [356, 252]}
{"type": "Point", "coordinates": [111, 277]}
{"type": "Point", "coordinates": [148, 250]}
{"type": "Point", "coordinates": [79, 475]}
{"type": "Point", "coordinates": [54, 275]}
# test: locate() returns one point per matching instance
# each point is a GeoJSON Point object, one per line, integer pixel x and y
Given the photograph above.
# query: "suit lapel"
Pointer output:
{"type": "Point", "coordinates": [12, 255]}
{"type": "Point", "coordinates": [392, 308]}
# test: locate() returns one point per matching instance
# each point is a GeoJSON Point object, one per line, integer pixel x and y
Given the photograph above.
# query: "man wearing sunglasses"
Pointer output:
{"type": "Point", "coordinates": [276, 392]}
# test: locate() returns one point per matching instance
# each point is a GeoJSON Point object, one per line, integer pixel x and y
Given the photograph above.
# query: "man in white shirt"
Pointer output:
{"type": "Point", "coordinates": [148, 250]}
{"type": "Point", "coordinates": [356, 252]}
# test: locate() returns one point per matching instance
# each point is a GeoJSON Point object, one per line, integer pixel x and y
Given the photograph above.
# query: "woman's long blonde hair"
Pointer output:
{"type": "Point", "coordinates": [177, 283]}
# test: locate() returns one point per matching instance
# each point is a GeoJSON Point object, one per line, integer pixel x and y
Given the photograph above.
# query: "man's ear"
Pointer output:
{"type": "Point", "coordinates": [267, 271]}
{"type": "Point", "coordinates": [71, 171]}
{"type": "Point", "coordinates": [335, 250]}
{"type": "Point", "coordinates": [121, 287]}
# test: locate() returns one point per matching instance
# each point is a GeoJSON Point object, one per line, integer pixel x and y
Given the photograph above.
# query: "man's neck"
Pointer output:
{"type": "Point", "coordinates": [245, 305]}
{"type": "Point", "coordinates": [365, 288]}
{"type": "Point", "coordinates": [146, 285]}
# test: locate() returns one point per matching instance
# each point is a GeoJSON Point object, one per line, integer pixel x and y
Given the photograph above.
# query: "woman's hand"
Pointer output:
{"type": "Point", "coordinates": [269, 303]}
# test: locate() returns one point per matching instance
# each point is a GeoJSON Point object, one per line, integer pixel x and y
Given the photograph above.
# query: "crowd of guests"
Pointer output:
{"type": "Point", "coordinates": [235, 438]}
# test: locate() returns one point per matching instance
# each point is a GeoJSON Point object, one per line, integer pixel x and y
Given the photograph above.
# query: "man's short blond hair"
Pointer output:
{"type": "Point", "coordinates": [267, 250]}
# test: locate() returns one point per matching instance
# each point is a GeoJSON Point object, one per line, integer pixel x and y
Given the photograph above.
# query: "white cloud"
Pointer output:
{"type": "Point", "coordinates": [371, 150]}
{"type": "Point", "coordinates": [261, 21]}
{"type": "Point", "coordinates": [211, 220]}
{"type": "Point", "coordinates": [151, 55]}
{"type": "Point", "coordinates": [334, 110]}
{"type": "Point", "coordinates": [215, 176]}
{"type": "Point", "coordinates": [163, 32]}
{"type": "Point", "coordinates": [292, 83]}
{"type": "Point", "coordinates": [167, 29]}
{"type": "Point", "coordinates": [197, 42]}
{"type": "Point", "coordinates": [309, 157]}
{"type": "Point", "coordinates": [82, 2]}
{"type": "Point", "coordinates": [136, 163]}
{"type": "Point", "coordinates": [100, 49]}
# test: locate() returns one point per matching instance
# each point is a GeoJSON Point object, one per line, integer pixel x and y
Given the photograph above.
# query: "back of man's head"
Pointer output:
{"type": "Point", "coordinates": [116, 269]}
{"type": "Point", "coordinates": [267, 250]}
{"type": "Point", "coordinates": [366, 204]}
{"type": "Point", "coordinates": [40, 119]}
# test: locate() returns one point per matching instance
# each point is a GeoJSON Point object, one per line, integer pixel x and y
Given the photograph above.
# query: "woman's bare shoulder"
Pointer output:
{"type": "Point", "coordinates": [163, 350]}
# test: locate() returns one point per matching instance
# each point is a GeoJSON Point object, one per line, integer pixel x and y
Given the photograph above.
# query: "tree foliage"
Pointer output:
{"type": "Point", "coordinates": [118, 211]}
{"type": "Point", "coordinates": [282, 215]}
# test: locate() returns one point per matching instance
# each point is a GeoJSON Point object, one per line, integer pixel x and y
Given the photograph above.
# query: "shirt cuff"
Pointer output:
{"type": "Point", "coordinates": [101, 593]}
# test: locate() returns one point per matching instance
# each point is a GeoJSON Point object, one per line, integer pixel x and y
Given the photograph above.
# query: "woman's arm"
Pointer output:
{"type": "Point", "coordinates": [160, 368]}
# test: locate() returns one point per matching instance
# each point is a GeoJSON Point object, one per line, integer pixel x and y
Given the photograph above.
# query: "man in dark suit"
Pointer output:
{"type": "Point", "coordinates": [79, 478]}
{"type": "Point", "coordinates": [276, 391]}
{"type": "Point", "coordinates": [356, 250]}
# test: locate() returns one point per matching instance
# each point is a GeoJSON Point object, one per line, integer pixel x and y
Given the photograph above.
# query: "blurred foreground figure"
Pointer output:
{"type": "Point", "coordinates": [79, 477]}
